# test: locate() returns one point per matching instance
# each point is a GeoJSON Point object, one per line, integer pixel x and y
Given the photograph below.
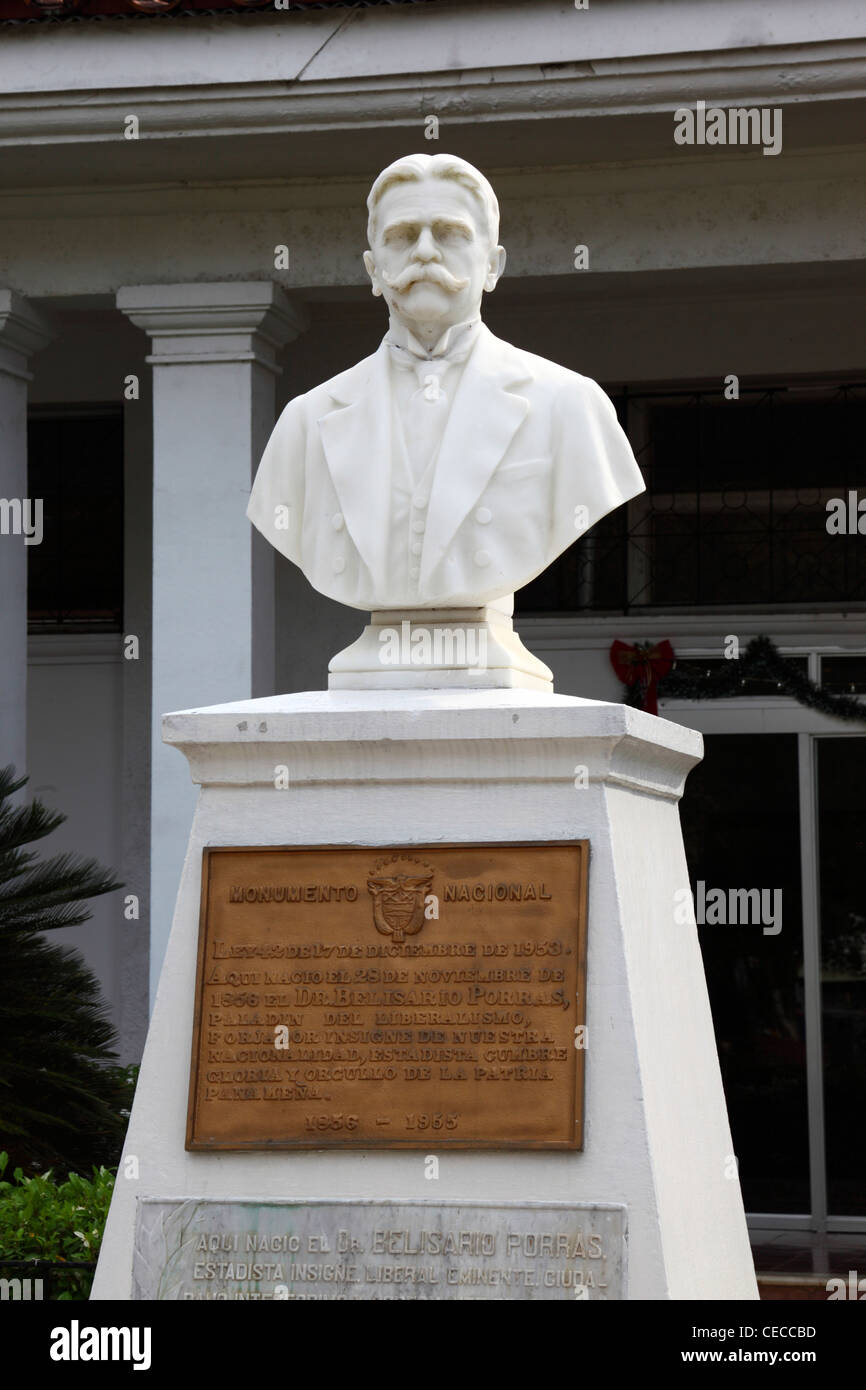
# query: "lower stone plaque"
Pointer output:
{"type": "Point", "coordinates": [391, 998]}
{"type": "Point", "coordinates": [193, 1249]}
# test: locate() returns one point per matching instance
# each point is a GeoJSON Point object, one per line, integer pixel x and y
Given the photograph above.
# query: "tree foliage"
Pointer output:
{"type": "Point", "coordinates": [61, 1092]}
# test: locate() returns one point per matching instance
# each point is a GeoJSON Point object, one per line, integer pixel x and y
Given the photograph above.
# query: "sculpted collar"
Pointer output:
{"type": "Point", "coordinates": [456, 341]}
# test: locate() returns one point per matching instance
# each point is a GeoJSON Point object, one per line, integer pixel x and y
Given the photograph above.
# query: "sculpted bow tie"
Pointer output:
{"type": "Point", "coordinates": [423, 365]}
{"type": "Point", "coordinates": [412, 361]}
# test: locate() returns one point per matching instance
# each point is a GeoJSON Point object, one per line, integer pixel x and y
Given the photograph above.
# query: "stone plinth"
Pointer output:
{"type": "Point", "coordinates": [421, 768]}
{"type": "Point", "coordinates": [439, 648]}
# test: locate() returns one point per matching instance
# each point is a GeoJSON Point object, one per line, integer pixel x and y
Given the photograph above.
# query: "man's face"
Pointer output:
{"type": "Point", "coordinates": [430, 256]}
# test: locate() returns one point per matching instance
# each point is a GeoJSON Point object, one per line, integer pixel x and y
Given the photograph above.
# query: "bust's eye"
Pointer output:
{"type": "Point", "coordinates": [452, 233]}
{"type": "Point", "coordinates": [404, 235]}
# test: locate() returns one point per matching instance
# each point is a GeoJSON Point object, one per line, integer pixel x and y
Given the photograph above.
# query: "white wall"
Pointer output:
{"type": "Point", "coordinates": [681, 211]}
{"type": "Point", "coordinates": [75, 750]}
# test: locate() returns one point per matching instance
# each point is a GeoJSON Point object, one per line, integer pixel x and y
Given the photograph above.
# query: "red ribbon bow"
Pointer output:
{"type": "Point", "coordinates": [643, 665]}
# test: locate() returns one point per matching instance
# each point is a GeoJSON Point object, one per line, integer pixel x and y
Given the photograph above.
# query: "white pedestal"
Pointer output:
{"type": "Point", "coordinates": [415, 767]}
{"type": "Point", "coordinates": [439, 649]}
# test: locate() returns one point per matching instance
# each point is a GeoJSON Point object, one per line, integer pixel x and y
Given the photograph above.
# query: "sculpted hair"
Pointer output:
{"type": "Point", "coordinates": [414, 167]}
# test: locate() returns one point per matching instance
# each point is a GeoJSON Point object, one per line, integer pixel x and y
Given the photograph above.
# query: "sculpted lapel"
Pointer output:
{"type": "Point", "coordinates": [485, 415]}
{"type": "Point", "coordinates": [356, 439]}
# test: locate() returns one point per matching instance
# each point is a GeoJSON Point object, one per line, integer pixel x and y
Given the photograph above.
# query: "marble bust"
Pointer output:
{"type": "Point", "coordinates": [449, 468]}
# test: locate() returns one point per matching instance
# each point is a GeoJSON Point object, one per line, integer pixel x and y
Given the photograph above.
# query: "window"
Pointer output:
{"type": "Point", "coordinates": [735, 511]}
{"type": "Point", "coordinates": [75, 576]}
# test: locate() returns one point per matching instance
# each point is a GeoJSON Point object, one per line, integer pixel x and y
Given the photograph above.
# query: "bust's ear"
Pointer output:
{"type": "Point", "coordinates": [370, 266]}
{"type": "Point", "coordinates": [495, 267]}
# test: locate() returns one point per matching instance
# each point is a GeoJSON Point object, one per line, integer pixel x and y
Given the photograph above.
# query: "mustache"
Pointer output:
{"type": "Point", "coordinates": [416, 273]}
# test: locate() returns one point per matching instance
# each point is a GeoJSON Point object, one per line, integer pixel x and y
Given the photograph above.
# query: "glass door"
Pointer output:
{"type": "Point", "coordinates": [840, 772]}
{"type": "Point", "coordinates": [741, 827]}
{"type": "Point", "coordinates": [774, 826]}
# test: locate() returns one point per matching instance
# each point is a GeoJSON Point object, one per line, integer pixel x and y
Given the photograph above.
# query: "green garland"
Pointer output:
{"type": "Point", "coordinates": [760, 660]}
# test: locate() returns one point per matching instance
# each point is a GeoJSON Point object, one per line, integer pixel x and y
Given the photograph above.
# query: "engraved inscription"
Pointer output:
{"type": "Point", "coordinates": [371, 998]}
{"type": "Point", "coordinates": [293, 1251]}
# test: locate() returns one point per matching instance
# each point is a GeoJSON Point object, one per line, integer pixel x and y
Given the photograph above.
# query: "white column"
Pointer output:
{"type": "Point", "coordinates": [214, 359]}
{"type": "Point", "coordinates": [23, 331]}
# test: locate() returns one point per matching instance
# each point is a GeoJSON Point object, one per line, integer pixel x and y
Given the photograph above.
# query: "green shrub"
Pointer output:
{"type": "Point", "coordinates": [41, 1218]}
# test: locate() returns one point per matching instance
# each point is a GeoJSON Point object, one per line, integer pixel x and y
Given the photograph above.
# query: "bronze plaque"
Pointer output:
{"type": "Point", "coordinates": [419, 997]}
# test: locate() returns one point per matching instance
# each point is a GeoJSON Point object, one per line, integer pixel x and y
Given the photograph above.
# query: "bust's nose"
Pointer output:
{"type": "Point", "coordinates": [426, 248]}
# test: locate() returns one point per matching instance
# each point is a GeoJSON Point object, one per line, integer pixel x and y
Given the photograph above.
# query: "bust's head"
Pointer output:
{"type": "Point", "coordinates": [433, 231]}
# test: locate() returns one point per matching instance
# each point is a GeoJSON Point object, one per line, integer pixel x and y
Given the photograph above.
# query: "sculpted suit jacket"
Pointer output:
{"type": "Point", "coordinates": [528, 446]}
